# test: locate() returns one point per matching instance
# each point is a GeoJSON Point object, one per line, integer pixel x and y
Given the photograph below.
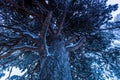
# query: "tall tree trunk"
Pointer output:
{"type": "Point", "coordinates": [57, 66]}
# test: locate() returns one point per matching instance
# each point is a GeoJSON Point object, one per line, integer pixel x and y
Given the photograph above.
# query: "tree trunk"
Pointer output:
{"type": "Point", "coordinates": [57, 66]}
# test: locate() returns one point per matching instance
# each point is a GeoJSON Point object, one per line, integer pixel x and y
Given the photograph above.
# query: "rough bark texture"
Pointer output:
{"type": "Point", "coordinates": [57, 65]}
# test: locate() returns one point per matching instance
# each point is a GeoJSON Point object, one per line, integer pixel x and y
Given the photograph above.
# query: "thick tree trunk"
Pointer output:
{"type": "Point", "coordinates": [57, 65]}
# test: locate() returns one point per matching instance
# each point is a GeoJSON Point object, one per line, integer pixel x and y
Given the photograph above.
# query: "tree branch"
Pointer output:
{"type": "Point", "coordinates": [77, 45]}
{"type": "Point", "coordinates": [22, 32]}
{"type": "Point", "coordinates": [118, 27]}
{"type": "Point", "coordinates": [25, 47]}
{"type": "Point", "coordinates": [73, 38]}
{"type": "Point", "coordinates": [25, 10]}
{"type": "Point", "coordinates": [60, 26]}
{"type": "Point", "coordinates": [43, 33]}
{"type": "Point", "coordinates": [51, 29]}
{"type": "Point", "coordinates": [46, 24]}
{"type": "Point", "coordinates": [9, 37]}
{"type": "Point", "coordinates": [12, 59]}
{"type": "Point", "coordinates": [13, 28]}
{"type": "Point", "coordinates": [9, 45]}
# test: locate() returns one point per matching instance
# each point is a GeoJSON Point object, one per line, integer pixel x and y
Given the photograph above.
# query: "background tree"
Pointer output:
{"type": "Point", "coordinates": [40, 35]}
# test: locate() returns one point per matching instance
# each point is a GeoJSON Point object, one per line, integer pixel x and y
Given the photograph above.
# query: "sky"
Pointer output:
{"type": "Point", "coordinates": [114, 2]}
{"type": "Point", "coordinates": [16, 71]}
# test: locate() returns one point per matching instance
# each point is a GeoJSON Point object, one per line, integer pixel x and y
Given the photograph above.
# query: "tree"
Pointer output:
{"type": "Point", "coordinates": [40, 35]}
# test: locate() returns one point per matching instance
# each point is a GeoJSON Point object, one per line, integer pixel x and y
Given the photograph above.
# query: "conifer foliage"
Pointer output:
{"type": "Point", "coordinates": [48, 38]}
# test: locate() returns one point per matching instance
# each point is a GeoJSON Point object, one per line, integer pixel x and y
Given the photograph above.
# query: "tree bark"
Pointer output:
{"type": "Point", "coordinates": [56, 66]}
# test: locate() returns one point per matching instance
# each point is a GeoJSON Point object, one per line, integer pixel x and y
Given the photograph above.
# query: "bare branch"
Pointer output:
{"type": "Point", "coordinates": [42, 6]}
{"type": "Point", "coordinates": [10, 44]}
{"type": "Point", "coordinates": [51, 29]}
{"type": "Point", "coordinates": [30, 35]}
{"type": "Point", "coordinates": [9, 37]}
{"type": "Point", "coordinates": [77, 45]}
{"type": "Point", "coordinates": [43, 33]}
{"type": "Point", "coordinates": [73, 38]}
{"type": "Point", "coordinates": [25, 10]}
{"type": "Point", "coordinates": [35, 68]}
{"type": "Point", "coordinates": [43, 48]}
{"type": "Point", "coordinates": [60, 26]}
{"type": "Point", "coordinates": [43, 60]}
{"type": "Point", "coordinates": [12, 59]}
{"type": "Point", "coordinates": [9, 53]}
{"type": "Point", "coordinates": [13, 28]}
{"type": "Point", "coordinates": [46, 24]}
{"type": "Point", "coordinates": [23, 33]}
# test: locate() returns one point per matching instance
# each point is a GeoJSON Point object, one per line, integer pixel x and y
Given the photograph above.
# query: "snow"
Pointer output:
{"type": "Point", "coordinates": [24, 46]}
{"type": "Point", "coordinates": [71, 45]}
{"type": "Point", "coordinates": [30, 34]}
{"type": "Point", "coordinates": [115, 43]}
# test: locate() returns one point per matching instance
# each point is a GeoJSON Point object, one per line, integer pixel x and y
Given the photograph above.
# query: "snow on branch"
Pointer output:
{"type": "Point", "coordinates": [25, 47]}
{"type": "Point", "coordinates": [77, 45]}
{"type": "Point", "coordinates": [30, 34]}
{"type": "Point", "coordinates": [10, 52]}
{"type": "Point", "coordinates": [10, 27]}
{"type": "Point", "coordinates": [73, 38]}
{"type": "Point", "coordinates": [22, 32]}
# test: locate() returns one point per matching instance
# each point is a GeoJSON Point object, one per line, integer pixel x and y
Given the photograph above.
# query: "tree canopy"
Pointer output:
{"type": "Point", "coordinates": [30, 28]}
